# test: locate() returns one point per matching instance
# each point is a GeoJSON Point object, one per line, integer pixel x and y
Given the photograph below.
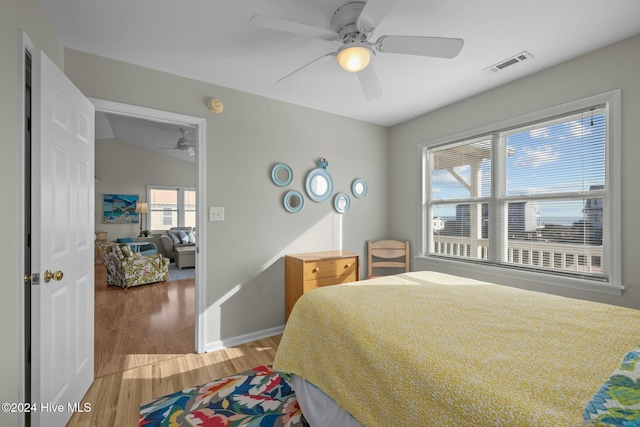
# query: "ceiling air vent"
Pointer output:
{"type": "Point", "coordinates": [522, 56]}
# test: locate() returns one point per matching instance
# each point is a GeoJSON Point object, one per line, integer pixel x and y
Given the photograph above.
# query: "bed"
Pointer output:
{"type": "Point", "coordinates": [429, 349]}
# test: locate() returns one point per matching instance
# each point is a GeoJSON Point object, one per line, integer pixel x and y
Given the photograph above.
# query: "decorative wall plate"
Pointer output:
{"type": "Point", "coordinates": [281, 174]}
{"type": "Point", "coordinates": [341, 202]}
{"type": "Point", "coordinates": [359, 188]}
{"type": "Point", "coordinates": [319, 185]}
{"type": "Point", "coordinates": [293, 201]}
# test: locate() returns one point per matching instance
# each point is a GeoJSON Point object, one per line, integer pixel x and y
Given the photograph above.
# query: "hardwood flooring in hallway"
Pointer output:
{"type": "Point", "coordinates": [143, 324]}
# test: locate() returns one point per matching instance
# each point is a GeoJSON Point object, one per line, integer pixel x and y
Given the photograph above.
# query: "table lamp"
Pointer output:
{"type": "Point", "coordinates": [141, 208]}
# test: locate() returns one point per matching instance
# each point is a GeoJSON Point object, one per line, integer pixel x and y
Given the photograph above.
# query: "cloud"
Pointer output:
{"type": "Point", "coordinates": [539, 133]}
{"type": "Point", "coordinates": [574, 128]}
{"type": "Point", "coordinates": [578, 129]}
{"type": "Point", "coordinates": [539, 156]}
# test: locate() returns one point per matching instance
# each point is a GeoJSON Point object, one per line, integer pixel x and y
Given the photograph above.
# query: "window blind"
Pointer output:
{"type": "Point", "coordinates": [531, 196]}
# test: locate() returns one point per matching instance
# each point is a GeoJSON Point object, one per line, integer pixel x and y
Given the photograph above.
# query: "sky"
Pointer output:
{"type": "Point", "coordinates": [542, 160]}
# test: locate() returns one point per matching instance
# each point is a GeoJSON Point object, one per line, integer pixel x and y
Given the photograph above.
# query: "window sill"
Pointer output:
{"type": "Point", "coordinates": [506, 276]}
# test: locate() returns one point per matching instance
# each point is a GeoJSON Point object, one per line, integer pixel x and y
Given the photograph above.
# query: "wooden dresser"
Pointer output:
{"type": "Point", "coordinates": [305, 272]}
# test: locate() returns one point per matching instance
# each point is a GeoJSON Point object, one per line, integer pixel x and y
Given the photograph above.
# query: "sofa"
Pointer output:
{"type": "Point", "coordinates": [126, 268]}
{"type": "Point", "coordinates": [177, 237]}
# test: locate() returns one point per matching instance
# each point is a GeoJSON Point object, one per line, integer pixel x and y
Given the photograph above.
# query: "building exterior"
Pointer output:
{"type": "Point", "coordinates": [593, 218]}
{"type": "Point", "coordinates": [523, 220]}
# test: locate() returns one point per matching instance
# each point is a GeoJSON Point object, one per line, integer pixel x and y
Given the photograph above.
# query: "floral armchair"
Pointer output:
{"type": "Point", "coordinates": [126, 268]}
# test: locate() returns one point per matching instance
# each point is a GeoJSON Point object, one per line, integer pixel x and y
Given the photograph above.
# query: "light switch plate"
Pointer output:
{"type": "Point", "coordinates": [216, 213]}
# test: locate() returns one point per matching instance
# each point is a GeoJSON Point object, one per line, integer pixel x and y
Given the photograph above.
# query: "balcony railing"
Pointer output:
{"type": "Point", "coordinates": [550, 255]}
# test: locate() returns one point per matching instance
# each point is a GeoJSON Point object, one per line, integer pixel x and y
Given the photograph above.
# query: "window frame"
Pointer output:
{"type": "Point", "coordinates": [611, 225]}
{"type": "Point", "coordinates": [181, 211]}
{"type": "Point", "coordinates": [165, 216]}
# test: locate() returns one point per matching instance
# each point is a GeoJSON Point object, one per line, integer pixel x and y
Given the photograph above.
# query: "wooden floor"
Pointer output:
{"type": "Point", "coordinates": [144, 344]}
{"type": "Point", "coordinates": [143, 324]}
{"type": "Point", "coordinates": [115, 399]}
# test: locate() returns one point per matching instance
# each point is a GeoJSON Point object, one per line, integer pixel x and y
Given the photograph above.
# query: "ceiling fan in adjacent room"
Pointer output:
{"type": "Point", "coordinates": [183, 144]}
{"type": "Point", "coordinates": [352, 25]}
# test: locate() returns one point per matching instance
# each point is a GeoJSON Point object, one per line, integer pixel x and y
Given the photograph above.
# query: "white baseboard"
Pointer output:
{"type": "Point", "coordinates": [241, 339]}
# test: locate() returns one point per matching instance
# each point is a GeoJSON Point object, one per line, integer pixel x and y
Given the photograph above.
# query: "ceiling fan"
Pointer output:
{"type": "Point", "coordinates": [183, 144]}
{"type": "Point", "coordinates": [353, 25]}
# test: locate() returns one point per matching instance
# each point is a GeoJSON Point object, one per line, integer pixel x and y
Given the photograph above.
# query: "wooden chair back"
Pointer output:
{"type": "Point", "coordinates": [387, 254]}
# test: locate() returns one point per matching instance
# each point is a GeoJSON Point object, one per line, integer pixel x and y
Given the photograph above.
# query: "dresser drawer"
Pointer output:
{"type": "Point", "coordinates": [314, 283]}
{"type": "Point", "coordinates": [323, 268]}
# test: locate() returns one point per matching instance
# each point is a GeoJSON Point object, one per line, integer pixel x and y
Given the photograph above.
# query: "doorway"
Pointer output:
{"type": "Point", "coordinates": [199, 134]}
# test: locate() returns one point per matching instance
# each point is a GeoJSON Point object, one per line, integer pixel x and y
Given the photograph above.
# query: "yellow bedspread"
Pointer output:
{"type": "Point", "coordinates": [429, 349]}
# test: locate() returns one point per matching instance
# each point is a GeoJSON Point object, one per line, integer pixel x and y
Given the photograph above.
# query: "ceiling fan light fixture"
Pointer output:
{"type": "Point", "coordinates": [354, 57]}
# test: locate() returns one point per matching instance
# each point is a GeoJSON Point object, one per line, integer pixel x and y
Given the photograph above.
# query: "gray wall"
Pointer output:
{"type": "Point", "coordinates": [14, 15]}
{"type": "Point", "coordinates": [610, 68]}
{"type": "Point", "coordinates": [245, 280]}
{"type": "Point", "coordinates": [244, 257]}
{"type": "Point", "coordinates": [123, 168]}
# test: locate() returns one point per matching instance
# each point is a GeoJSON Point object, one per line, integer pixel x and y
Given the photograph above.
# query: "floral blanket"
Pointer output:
{"type": "Point", "coordinates": [617, 403]}
{"type": "Point", "coordinates": [259, 397]}
{"type": "Point", "coordinates": [429, 349]}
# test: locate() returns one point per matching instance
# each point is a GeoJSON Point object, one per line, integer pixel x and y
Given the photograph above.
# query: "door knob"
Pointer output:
{"type": "Point", "coordinates": [48, 275]}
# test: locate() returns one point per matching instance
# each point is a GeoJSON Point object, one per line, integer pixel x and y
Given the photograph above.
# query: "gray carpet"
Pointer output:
{"type": "Point", "coordinates": [185, 273]}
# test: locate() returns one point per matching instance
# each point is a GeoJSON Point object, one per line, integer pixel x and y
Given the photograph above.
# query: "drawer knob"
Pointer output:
{"type": "Point", "coordinates": [347, 266]}
{"type": "Point", "coordinates": [315, 270]}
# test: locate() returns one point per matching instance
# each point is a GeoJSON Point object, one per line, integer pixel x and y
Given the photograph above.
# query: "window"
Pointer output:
{"type": "Point", "coordinates": [167, 217]}
{"type": "Point", "coordinates": [171, 207]}
{"type": "Point", "coordinates": [190, 208]}
{"type": "Point", "coordinates": [537, 194]}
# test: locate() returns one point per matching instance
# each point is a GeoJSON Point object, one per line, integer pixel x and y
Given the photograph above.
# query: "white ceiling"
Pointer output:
{"type": "Point", "coordinates": [157, 136]}
{"type": "Point", "coordinates": [213, 41]}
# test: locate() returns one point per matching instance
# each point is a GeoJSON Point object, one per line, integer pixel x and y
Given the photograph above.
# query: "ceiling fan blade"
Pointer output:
{"type": "Point", "coordinates": [373, 13]}
{"type": "Point", "coordinates": [279, 24]}
{"type": "Point", "coordinates": [438, 47]}
{"type": "Point", "coordinates": [302, 70]}
{"type": "Point", "coordinates": [369, 83]}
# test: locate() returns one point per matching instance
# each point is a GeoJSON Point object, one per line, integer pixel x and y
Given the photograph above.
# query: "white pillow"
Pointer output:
{"type": "Point", "coordinates": [191, 238]}
{"type": "Point", "coordinates": [182, 236]}
{"type": "Point", "coordinates": [174, 238]}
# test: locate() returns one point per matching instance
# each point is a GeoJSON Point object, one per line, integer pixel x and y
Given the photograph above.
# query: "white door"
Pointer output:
{"type": "Point", "coordinates": [62, 171]}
